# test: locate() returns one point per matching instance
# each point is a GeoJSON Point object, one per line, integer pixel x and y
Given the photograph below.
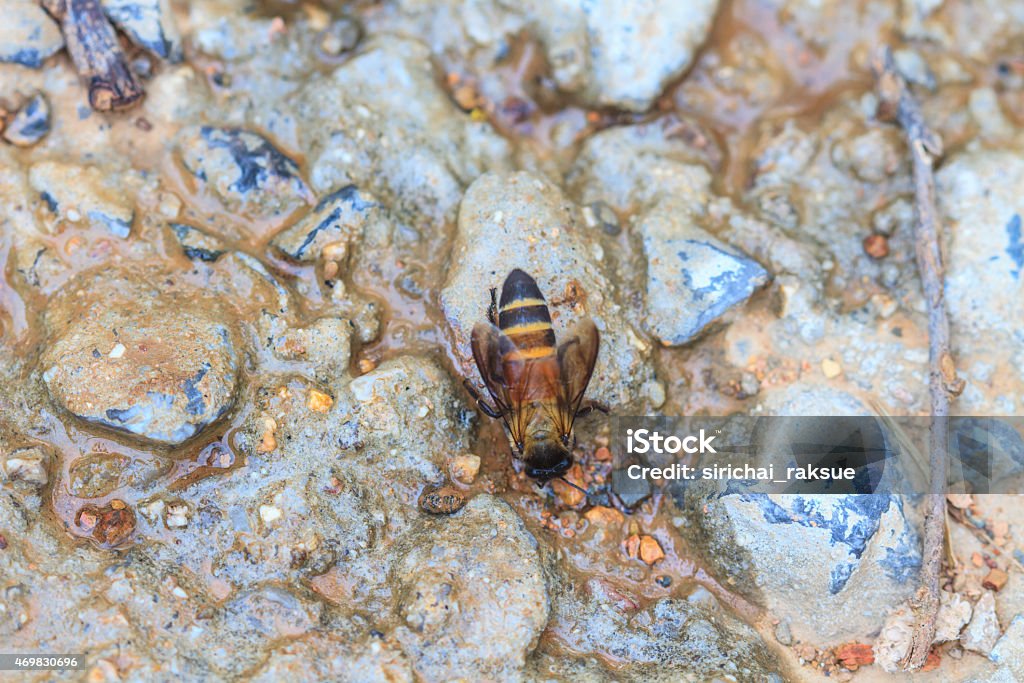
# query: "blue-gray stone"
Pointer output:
{"type": "Point", "coordinates": [338, 217]}
{"type": "Point", "coordinates": [30, 124]}
{"type": "Point", "coordinates": [28, 36]}
{"type": "Point", "coordinates": [127, 352]}
{"type": "Point", "coordinates": [693, 279]}
{"type": "Point", "coordinates": [244, 170]}
{"type": "Point", "coordinates": [149, 24]}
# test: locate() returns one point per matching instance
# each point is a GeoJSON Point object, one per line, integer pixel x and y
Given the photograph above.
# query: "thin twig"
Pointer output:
{"type": "Point", "coordinates": [897, 103]}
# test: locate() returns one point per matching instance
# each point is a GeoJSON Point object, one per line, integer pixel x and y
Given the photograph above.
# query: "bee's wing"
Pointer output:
{"type": "Point", "coordinates": [576, 358]}
{"type": "Point", "coordinates": [508, 382]}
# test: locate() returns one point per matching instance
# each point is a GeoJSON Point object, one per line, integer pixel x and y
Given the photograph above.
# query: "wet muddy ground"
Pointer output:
{"type": "Point", "coordinates": [236, 317]}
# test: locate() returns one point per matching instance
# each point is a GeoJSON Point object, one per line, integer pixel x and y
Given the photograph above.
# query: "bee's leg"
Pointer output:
{"type": "Point", "coordinates": [589, 407]}
{"type": "Point", "coordinates": [488, 409]}
{"type": "Point", "coordinates": [492, 310]}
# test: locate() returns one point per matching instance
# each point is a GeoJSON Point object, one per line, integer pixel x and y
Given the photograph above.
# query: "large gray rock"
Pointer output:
{"type": "Point", "coordinates": [84, 194]}
{"type": "Point", "coordinates": [522, 221]}
{"type": "Point", "coordinates": [606, 53]}
{"type": "Point", "coordinates": [633, 167]}
{"type": "Point", "coordinates": [620, 54]}
{"type": "Point", "coordinates": [128, 353]}
{"type": "Point", "coordinates": [244, 170]}
{"type": "Point", "coordinates": [337, 220]}
{"type": "Point", "coordinates": [848, 558]}
{"type": "Point", "coordinates": [980, 196]}
{"type": "Point", "coordinates": [27, 34]}
{"type": "Point", "coordinates": [668, 640]}
{"type": "Point", "coordinates": [381, 122]}
{"type": "Point", "coordinates": [1009, 650]}
{"type": "Point", "coordinates": [472, 594]}
{"type": "Point", "coordinates": [693, 279]}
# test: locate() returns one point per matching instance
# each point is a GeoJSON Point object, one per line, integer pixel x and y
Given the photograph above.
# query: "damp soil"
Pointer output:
{"type": "Point", "coordinates": [754, 73]}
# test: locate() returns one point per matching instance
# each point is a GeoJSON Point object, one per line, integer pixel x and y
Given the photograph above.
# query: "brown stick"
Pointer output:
{"type": "Point", "coordinates": [897, 103]}
{"type": "Point", "coordinates": [92, 44]}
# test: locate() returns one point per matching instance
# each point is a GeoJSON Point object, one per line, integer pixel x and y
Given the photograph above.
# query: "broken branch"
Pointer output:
{"type": "Point", "coordinates": [897, 103]}
{"type": "Point", "coordinates": [96, 53]}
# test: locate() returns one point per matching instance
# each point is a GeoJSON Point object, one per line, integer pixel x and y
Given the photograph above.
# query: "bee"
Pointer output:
{"type": "Point", "coordinates": [537, 385]}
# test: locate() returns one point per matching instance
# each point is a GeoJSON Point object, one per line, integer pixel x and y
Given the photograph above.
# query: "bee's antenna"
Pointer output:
{"type": "Point", "coordinates": [566, 481]}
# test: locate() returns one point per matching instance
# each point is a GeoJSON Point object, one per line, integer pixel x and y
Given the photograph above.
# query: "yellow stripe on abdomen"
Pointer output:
{"type": "Point", "coordinates": [522, 303]}
{"type": "Point", "coordinates": [535, 352]}
{"type": "Point", "coordinates": [526, 328]}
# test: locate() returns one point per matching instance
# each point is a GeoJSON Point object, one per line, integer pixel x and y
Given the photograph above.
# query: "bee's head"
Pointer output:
{"type": "Point", "coordinates": [546, 459]}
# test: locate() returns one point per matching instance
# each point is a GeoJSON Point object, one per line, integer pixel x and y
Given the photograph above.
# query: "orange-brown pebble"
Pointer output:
{"type": "Point", "coordinates": [995, 580]}
{"type": "Point", "coordinates": [466, 96]}
{"type": "Point", "coordinates": [876, 246]}
{"type": "Point", "coordinates": [464, 468]}
{"type": "Point", "coordinates": [650, 550]}
{"type": "Point", "coordinates": [855, 655]}
{"type": "Point", "coordinates": [268, 443]}
{"type": "Point", "coordinates": [569, 495]}
{"type": "Point", "coordinates": [318, 401]}
{"type": "Point", "coordinates": [603, 516]}
{"type": "Point", "coordinates": [603, 454]}
{"type": "Point", "coordinates": [442, 501]}
{"type": "Point", "coordinates": [366, 365]}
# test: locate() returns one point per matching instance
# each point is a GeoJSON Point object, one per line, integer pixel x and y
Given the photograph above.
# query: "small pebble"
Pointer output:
{"type": "Point", "coordinates": [650, 550]}
{"type": "Point", "coordinates": [664, 581]}
{"type": "Point", "coordinates": [318, 401]}
{"type": "Point", "coordinates": [876, 246]}
{"type": "Point", "coordinates": [177, 515]}
{"type": "Point", "coordinates": [600, 215]}
{"type": "Point", "coordinates": [268, 442]}
{"type": "Point", "coordinates": [783, 633]}
{"type": "Point", "coordinates": [27, 465]}
{"type": "Point", "coordinates": [464, 468]}
{"type": "Point", "coordinates": [30, 124]}
{"type": "Point", "coordinates": [269, 513]}
{"type": "Point", "coordinates": [340, 37]}
{"type": "Point", "coordinates": [831, 369]}
{"type": "Point", "coordinates": [995, 580]}
{"type": "Point", "coordinates": [445, 500]}
{"type": "Point", "coordinates": [570, 495]}
{"type": "Point", "coordinates": [467, 97]}
{"type": "Point", "coordinates": [603, 516]}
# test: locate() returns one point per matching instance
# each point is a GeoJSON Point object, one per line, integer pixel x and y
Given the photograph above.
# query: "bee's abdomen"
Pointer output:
{"type": "Point", "coordinates": [524, 318]}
